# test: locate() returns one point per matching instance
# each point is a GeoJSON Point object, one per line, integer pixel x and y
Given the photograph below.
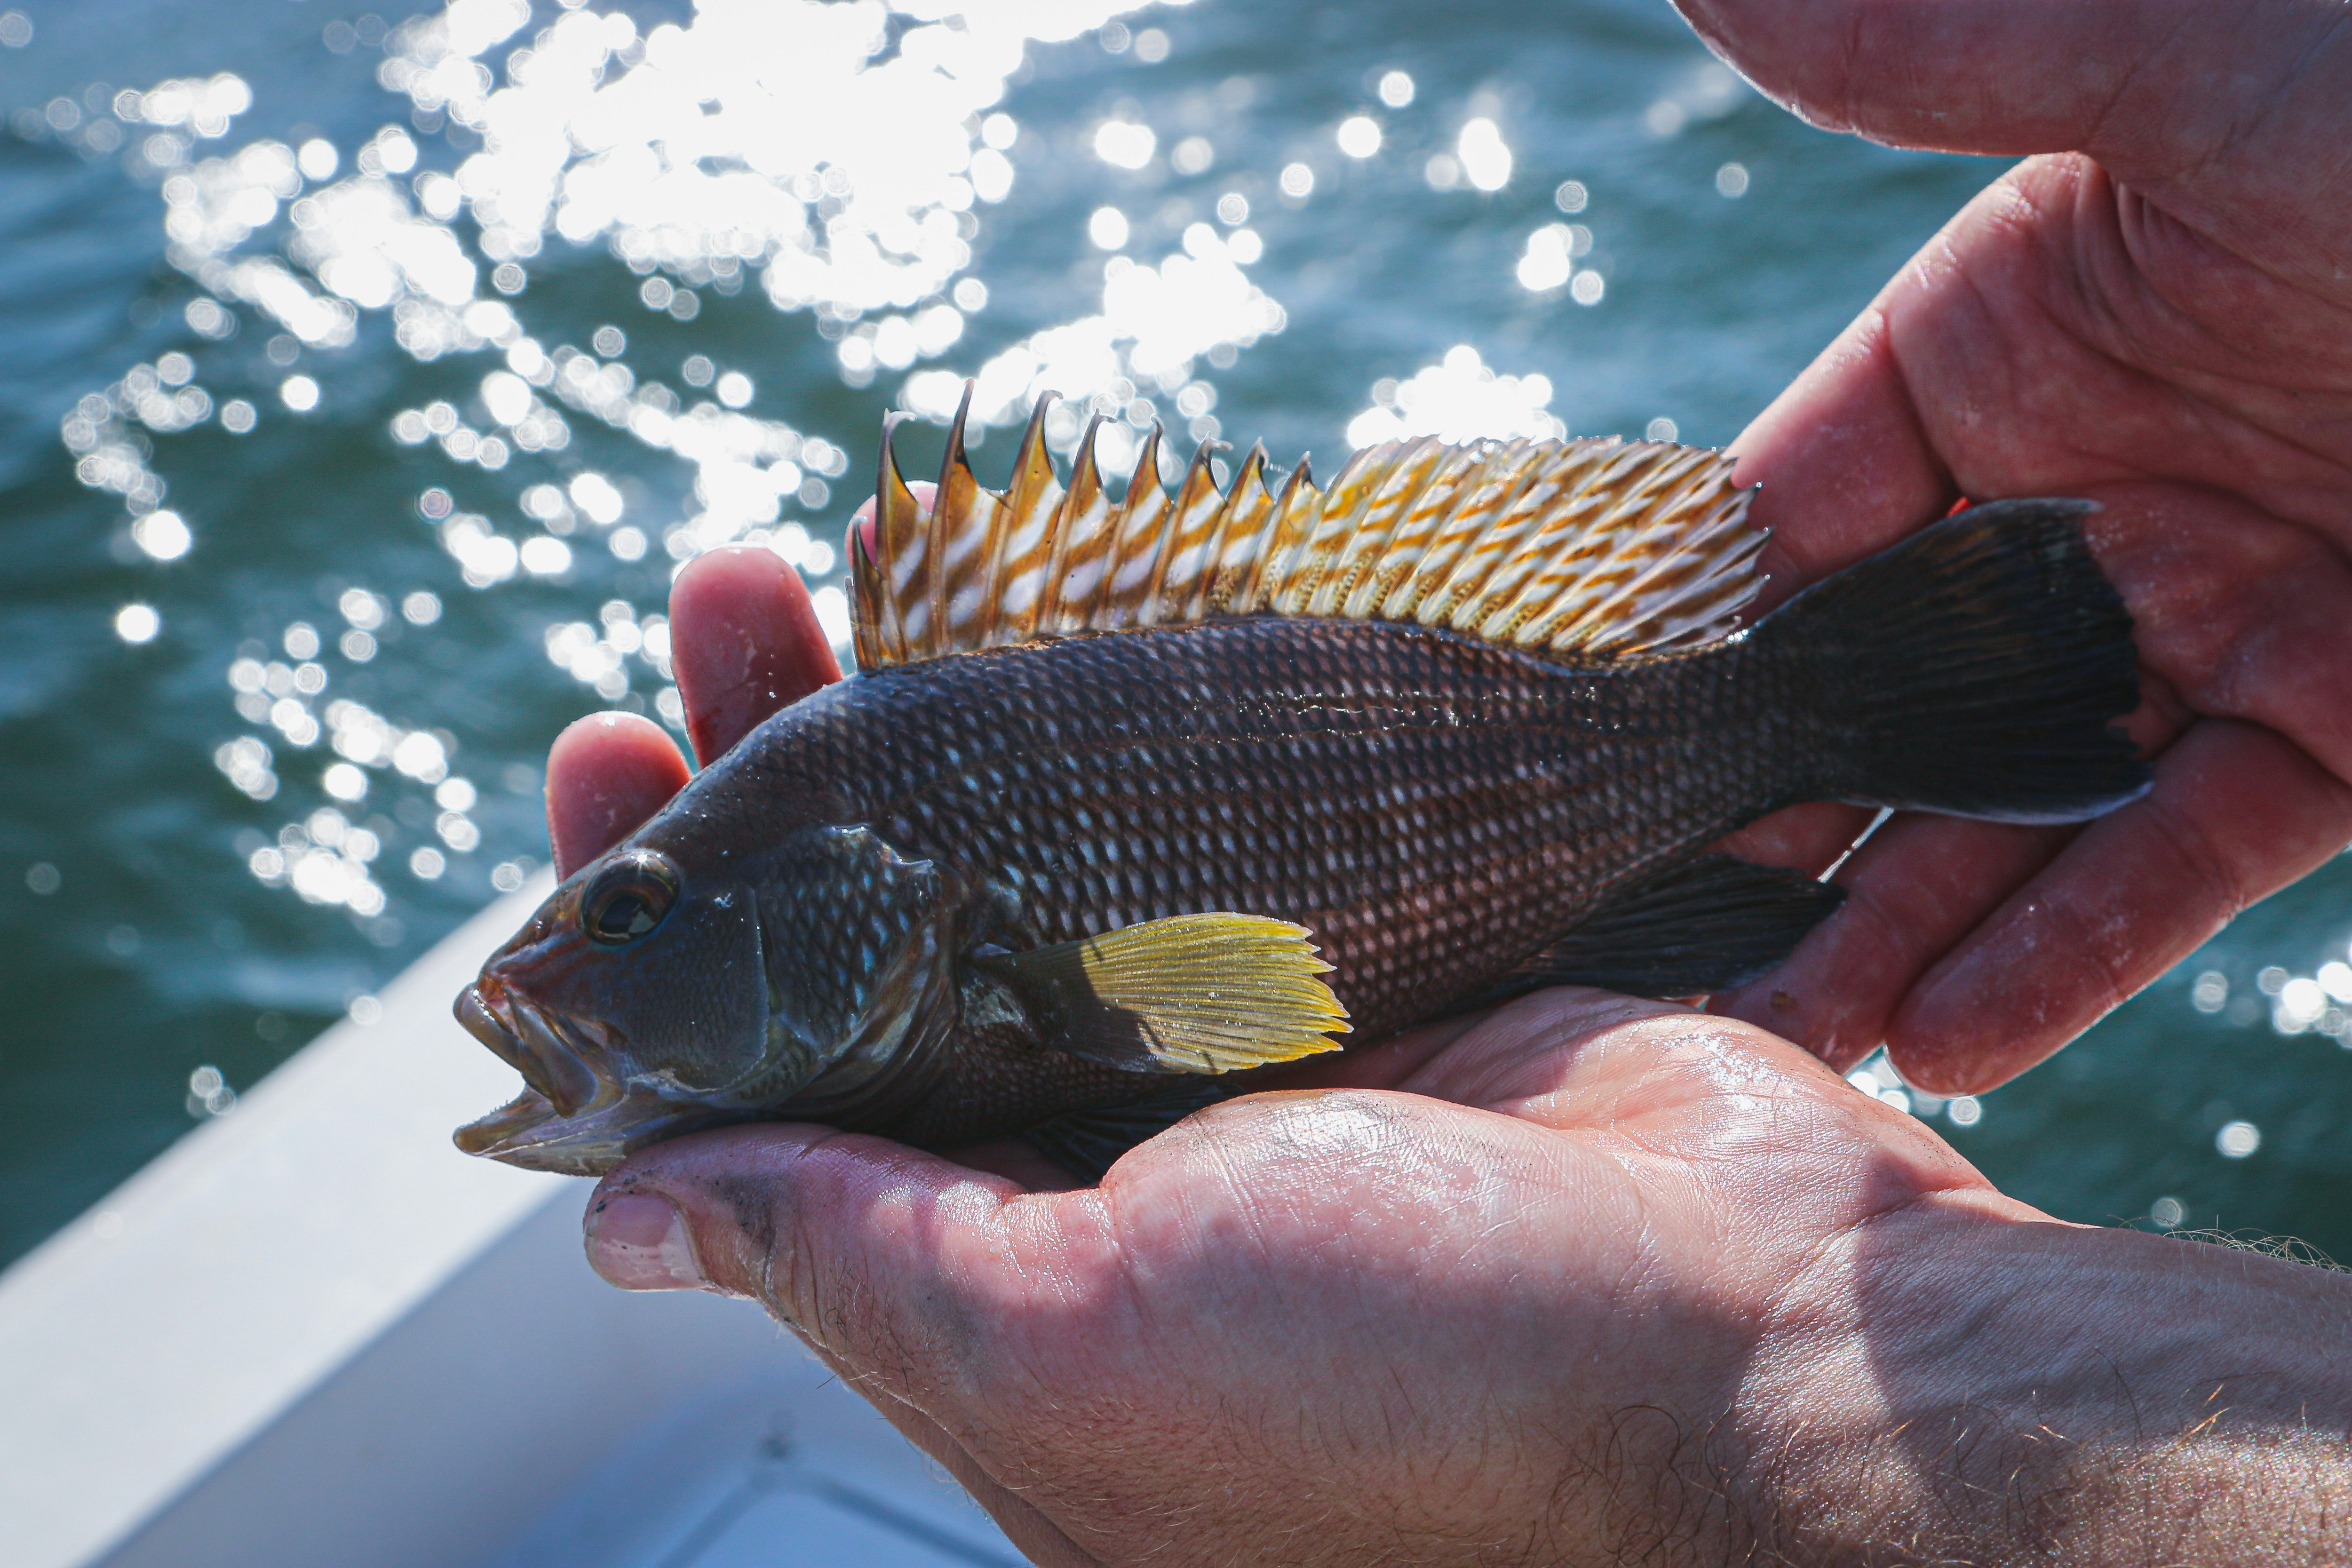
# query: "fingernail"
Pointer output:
{"type": "Point", "coordinates": [640, 1242]}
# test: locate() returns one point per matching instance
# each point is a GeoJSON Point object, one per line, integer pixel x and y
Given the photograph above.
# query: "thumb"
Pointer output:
{"type": "Point", "coordinates": [901, 1269]}
{"type": "Point", "coordinates": [2215, 106]}
{"type": "Point", "coordinates": [878, 1255]}
{"type": "Point", "coordinates": [2001, 76]}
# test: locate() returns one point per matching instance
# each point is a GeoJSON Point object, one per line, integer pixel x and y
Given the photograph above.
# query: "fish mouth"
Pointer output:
{"type": "Point", "coordinates": [545, 1048]}
{"type": "Point", "coordinates": [571, 1117]}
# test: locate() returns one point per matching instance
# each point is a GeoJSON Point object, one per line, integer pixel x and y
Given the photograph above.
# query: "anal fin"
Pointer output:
{"type": "Point", "coordinates": [1202, 993]}
{"type": "Point", "coordinates": [1086, 1143]}
{"type": "Point", "coordinates": [1705, 926]}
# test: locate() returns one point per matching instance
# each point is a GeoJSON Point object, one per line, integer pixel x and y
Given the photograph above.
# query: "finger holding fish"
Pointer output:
{"type": "Point", "coordinates": [606, 773]}
{"type": "Point", "coordinates": [745, 643]}
{"type": "Point", "coordinates": [2193, 393]}
{"type": "Point", "coordinates": [2237, 813]}
{"type": "Point", "coordinates": [1918, 889]}
{"type": "Point", "coordinates": [1974, 951]}
{"type": "Point", "coordinates": [891, 1265]}
{"type": "Point", "coordinates": [1913, 892]}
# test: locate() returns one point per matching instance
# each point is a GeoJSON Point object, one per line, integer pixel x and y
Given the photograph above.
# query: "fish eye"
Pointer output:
{"type": "Point", "coordinates": [628, 898]}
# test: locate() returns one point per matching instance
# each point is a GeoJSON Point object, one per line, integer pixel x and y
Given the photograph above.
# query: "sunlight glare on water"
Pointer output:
{"type": "Point", "coordinates": [1457, 399]}
{"type": "Point", "coordinates": [704, 156]}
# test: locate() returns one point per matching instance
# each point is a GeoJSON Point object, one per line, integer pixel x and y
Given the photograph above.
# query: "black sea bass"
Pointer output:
{"type": "Point", "coordinates": [1128, 797]}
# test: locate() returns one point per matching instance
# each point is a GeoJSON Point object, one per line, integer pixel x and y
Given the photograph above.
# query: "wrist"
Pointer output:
{"type": "Point", "coordinates": [1965, 1379]}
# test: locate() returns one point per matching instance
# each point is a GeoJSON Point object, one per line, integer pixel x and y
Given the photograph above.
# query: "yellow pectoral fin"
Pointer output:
{"type": "Point", "coordinates": [1205, 994]}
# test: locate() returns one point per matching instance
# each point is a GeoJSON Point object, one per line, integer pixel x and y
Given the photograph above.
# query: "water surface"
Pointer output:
{"type": "Point", "coordinates": [371, 374]}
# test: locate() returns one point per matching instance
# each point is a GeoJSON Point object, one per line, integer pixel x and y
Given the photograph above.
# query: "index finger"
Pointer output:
{"type": "Point", "coordinates": [745, 643]}
{"type": "Point", "coordinates": [605, 775]}
{"type": "Point", "coordinates": [1844, 460]}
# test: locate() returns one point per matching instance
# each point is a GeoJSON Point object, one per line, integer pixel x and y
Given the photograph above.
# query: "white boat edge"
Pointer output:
{"type": "Point", "coordinates": [311, 1331]}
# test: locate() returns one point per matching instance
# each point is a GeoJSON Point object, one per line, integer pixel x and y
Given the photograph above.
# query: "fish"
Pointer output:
{"type": "Point", "coordinates": [1131, 800]}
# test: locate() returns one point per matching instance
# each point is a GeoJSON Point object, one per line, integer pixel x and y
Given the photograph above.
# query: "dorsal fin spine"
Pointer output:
{"type": "Point", "coordinates": [1242, 535]}
{"type": "Point", "coordinates": [898, 520]}
{"type": "Point", "coordinates": [1294, 518]}
{"type": "Point", "coordinates": [1015, 593]}
{"type": "Point", "coordinates": [958, 489]}
{"type": "Point", "coordinates": [1215, 542]}
{"type": "Point", "coordinates": [1191, 525]}
{"type": "Point", "coordinates": [1136, 539]}
{"type": "Point", "coordinates": [1171, 542]}
{"type": "Point", "coordinates": [865, 614]}
{"type": "Point", "coordinates": [1326, 540]}
{"type": "Point", "coordinates": [1073, 580]}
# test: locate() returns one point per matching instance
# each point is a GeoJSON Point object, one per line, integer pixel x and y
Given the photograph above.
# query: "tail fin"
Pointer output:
{"type": "Point", "coordinates": [1975, 669]}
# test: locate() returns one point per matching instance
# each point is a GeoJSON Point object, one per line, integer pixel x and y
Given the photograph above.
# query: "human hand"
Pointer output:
{"type": "Point", "coordinates": [2157, 318]}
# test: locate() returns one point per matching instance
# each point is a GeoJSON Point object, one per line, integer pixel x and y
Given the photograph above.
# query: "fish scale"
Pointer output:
{"type": "Point", "coordinates": [1299, 765]}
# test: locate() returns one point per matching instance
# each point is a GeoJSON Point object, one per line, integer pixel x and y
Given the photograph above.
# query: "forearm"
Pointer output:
{"type": "Point", "coordinates": [1975, 1388]}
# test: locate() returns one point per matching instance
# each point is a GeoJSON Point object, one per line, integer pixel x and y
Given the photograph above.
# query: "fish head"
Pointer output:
{"type": "Point", "coordinates": [632, 1001]}
{"type": "Point", "coordinates": [666, 987]}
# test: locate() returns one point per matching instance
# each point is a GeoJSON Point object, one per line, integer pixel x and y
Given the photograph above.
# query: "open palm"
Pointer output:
{"type": "Point", "coordinates": [2161, 322]}
{"type": "Point", "coordinates": [1530, 1288]}
{"type": "Point", "coordinates": [1582, 1280]}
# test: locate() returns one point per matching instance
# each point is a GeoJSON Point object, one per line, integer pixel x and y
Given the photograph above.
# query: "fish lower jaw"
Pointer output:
{"type": "Point", "coordinates": [530, 1133]}
{"type": "Point", "coordinates": [516, 1120]}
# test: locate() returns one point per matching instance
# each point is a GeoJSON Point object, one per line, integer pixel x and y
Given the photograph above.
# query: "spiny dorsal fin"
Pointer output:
{"type": "Point", "coordinates": [1590, 549]}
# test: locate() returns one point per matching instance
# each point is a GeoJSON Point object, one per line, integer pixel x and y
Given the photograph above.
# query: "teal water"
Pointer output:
{"type": "Point", "coordinates": [368, 374]}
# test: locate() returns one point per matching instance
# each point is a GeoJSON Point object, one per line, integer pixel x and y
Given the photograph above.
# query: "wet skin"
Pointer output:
{"type": "Point", "coordinates": [1590, 1281]}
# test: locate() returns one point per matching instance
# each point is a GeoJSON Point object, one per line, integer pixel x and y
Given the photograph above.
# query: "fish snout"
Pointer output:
{"type": "Point", "coordinates": [532, 1041]}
